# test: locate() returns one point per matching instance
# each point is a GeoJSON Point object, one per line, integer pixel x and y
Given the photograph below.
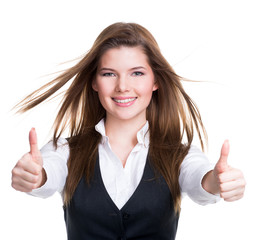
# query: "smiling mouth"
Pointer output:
{"type": "Point", "coordinates": [127, 100]}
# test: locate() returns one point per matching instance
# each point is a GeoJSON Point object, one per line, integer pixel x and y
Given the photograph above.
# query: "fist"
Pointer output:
{"type": "Point", "coordinates": [28, 173]}
{"type": "Point", "coordinates": [231, 182]}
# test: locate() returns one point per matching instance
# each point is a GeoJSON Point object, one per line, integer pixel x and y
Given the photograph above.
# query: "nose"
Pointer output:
{"type": "Point", "coordinates": [122, 84]}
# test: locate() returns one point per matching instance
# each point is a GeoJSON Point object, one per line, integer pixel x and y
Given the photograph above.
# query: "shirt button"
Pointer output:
{"type": "Point", "coordinates": [126, 216]}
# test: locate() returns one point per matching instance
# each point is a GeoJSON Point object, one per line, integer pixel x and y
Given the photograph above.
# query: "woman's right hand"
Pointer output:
{"type": "Point", "coordinates": [28, 173]}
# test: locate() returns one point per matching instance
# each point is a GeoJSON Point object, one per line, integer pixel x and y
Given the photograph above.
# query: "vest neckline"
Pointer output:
{"type": "Point", "coordinates": [145, 177]}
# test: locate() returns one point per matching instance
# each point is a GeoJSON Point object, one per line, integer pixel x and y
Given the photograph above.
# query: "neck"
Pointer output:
{"type": "Point", "coordinates": [122, 130]}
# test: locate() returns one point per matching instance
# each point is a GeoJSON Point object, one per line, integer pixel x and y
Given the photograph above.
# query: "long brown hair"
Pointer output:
{"type": "Point", "coordinates": [171, 114]}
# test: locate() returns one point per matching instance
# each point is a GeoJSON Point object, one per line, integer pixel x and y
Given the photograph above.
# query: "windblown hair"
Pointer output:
{"type": "Point", "coordinates": [171, 114]}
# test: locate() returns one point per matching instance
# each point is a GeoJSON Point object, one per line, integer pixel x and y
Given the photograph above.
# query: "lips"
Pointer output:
{"type": "Point", "coordinates": [125, 100]}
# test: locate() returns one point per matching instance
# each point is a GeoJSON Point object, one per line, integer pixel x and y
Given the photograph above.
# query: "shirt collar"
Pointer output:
{"type": "Point", "coordinates": [142, 135]}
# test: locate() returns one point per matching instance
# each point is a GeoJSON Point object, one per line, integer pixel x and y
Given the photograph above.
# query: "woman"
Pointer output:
{"type": "Point", "coordinates": [129, 155]}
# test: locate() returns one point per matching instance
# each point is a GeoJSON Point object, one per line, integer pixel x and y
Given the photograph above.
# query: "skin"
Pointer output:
{"type": "Point", "coordinates": [124, 73]}
{"type": "Point", "coordinates": [28, 173]}
{"type": "Point", "coordinates": [225, 180]}
{"type": "Point", "coordinates": [125, 83]}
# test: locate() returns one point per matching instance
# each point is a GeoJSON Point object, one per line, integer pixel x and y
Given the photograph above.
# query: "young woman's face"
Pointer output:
{"type": "Point", "coordinates": [124, 82]}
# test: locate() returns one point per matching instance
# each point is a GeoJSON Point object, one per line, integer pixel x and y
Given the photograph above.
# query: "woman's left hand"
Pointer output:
{"type": "Point", "coordinates": [230, 181]}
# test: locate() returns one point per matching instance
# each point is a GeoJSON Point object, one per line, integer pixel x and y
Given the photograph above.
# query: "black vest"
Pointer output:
{"type": "Point", "coordinates": [148, 214]}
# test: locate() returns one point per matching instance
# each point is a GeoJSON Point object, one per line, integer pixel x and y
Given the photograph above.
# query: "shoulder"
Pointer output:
{"type": "Point", "coordinates": [195, 152]}
{"type": "Point", "coordinates": [195, 156]}
{"type": "Point", "coordinates": [61, 149]}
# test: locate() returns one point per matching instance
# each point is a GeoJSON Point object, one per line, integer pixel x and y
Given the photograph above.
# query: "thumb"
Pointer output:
{"type": "Point", "coordinates": [34, 151]}
{"type": "Point", "coordinates": [222, 164]}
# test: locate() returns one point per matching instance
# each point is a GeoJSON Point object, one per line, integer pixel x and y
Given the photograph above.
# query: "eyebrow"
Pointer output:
{"type": "Point", "coordinates": [111, 69]}
{"type": "Point", "coordinates": [139, 67]}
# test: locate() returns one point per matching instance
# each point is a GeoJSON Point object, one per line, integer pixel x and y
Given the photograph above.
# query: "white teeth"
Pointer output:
{"type": "Point", "coordinates": [124, 100]}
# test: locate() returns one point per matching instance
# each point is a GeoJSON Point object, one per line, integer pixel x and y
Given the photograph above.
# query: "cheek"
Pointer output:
{"type": "Point", "coordinates": [145, 94]}
{"type": "Point", "coordinates": [147, 89]}
{"type": "Point", "coordinates": [98, 86]}
{"type": "Point", "coordinates": [104, 90]}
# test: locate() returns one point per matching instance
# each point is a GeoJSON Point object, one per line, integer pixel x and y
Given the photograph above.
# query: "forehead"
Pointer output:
{"type": "Point", "coordinates": [124, 56]}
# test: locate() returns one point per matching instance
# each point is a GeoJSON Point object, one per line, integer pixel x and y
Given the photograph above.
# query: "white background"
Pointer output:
{"type": "Point", "coordinates": [210, 41]}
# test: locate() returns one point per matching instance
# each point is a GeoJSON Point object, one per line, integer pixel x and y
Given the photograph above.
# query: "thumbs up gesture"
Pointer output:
{"type": "Point", "coordinates": [230, 181]}
{"type": "Point", "coordinates": [28, 173]}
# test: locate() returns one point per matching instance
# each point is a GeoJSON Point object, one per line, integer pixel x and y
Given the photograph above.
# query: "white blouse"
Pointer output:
{"type": "Point", "coordinates": [120, 182]}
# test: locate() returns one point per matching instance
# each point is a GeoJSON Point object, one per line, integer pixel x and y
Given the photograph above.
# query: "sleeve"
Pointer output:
{"type": "Point", "coordinates": [55, 165]}
{"type": "Point", "coordinates": [193, 168]}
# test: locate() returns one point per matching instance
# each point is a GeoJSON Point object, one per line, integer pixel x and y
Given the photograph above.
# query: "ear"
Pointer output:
{"type": "Point", "coordinates": [94, 85]}
{"type": "Point", "coordinates": [155, 86]}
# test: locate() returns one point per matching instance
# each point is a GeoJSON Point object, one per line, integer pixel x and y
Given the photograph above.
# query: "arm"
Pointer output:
{"type": "Point", "coordinates": [225, 180]}
{"type": "Point", "coordinates": [193, 169]}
